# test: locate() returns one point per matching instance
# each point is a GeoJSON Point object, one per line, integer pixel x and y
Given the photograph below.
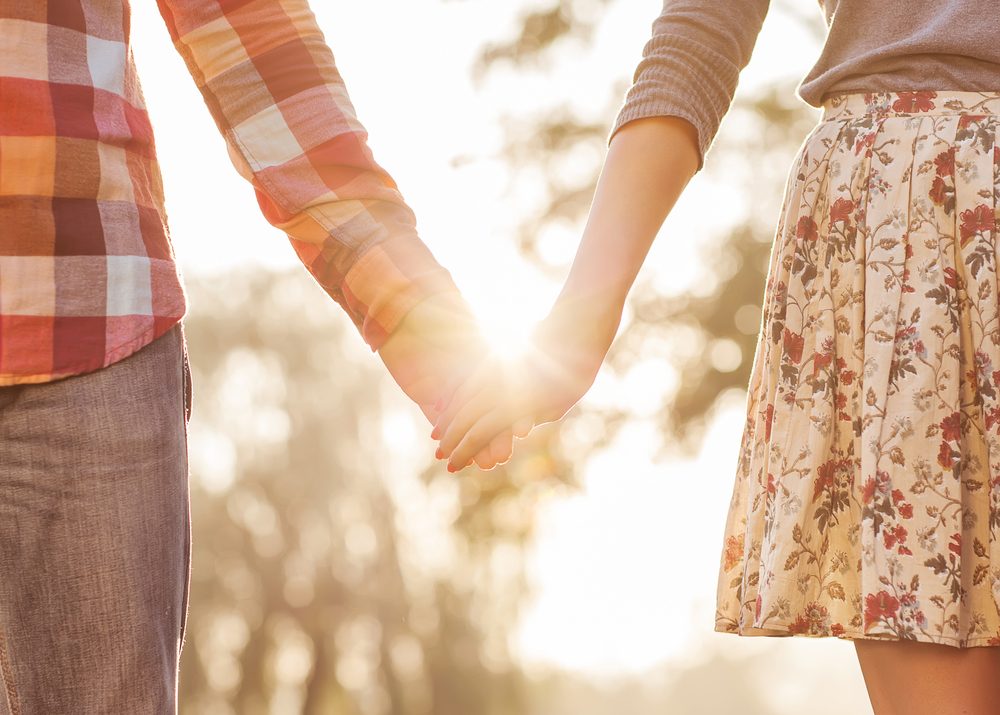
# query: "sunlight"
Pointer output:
{"type": "Point", "coordinates": [509, 339]}
{"type": "Point", "coordinates": [508, 317]}
{"type": "Point", "coordinates": [624, 567]}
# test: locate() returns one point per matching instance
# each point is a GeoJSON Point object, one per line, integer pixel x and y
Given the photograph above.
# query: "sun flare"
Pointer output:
{"type": "Point", "coordinates": [508, 339]}
{"type": "Point", "coordinates": [508, 319]}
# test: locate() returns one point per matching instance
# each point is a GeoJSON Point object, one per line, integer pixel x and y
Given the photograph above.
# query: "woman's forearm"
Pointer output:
{"type": "Point", "coordinates": [649, 163]}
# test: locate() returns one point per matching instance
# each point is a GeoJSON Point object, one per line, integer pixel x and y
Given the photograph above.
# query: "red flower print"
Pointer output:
{"type": "Point", "coordinates": [882, 481]}
{"type": "Point", "coordinates": [799, 625]}
{"type": "Point", "coordinates": [869, 490]}
{"type": "Point", "coordinates": [879, 606]}
{"type": "Point", "coordinates": [771, 488]}
{"type": "Point", "coordinates": [951, 278]}
{"type": "Point", "coordinates": [896, 535]}
{"type": "Point", "coordinates": [955, 545]}
{"type": "Point", "coordinates": [841, 210]}
{"type": "Point", "coordinates": [965, 120]}
{"type": "Point", "coordinates": [768, 419]}
{"type": "Point", "coordinates": [945, 456]}
{"type": "Point", "coordinates": [889, 538]}
{"type": "Point", "coordinates": [914, 101]}
{"type": "Point", "coordinates": [807, 229]}
{"type": "Point", "coordinates": [820, 361]}
{"type": "Point", "coordinates": [992, 417]}
{"type": "Point", "coordinates": [733, 553]}
{"type": "Point", "coordinates": [900, 533]}
{"type": "Point", "coordinates": [945, 162]}
{"type": "Point", "coordinates": [847, 377]}
{"type": "Point", "coordinates": [837, 629]}
{"type": "Point", "coordinates": [897, 496]}
{"type": "Point", "coordinates": [939, 191]}
{"type": "Point", "coordinates": [976, 221]}
{"type": "Point", "coordinates": [811, 620]}
{"type": "Point", "coordinates": [906, 510]}
{"type": "Point", "coordinates": [865, 142]}
{"type": "Point", "coordinates": [825, 480]}
{"type": "Point", "coordinates": [951, 427]}
{"type": "Point", "coordinates": [793, 343]}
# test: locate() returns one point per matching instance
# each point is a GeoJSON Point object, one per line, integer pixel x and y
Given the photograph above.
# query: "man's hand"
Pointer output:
{"type": "Point", "coordinates": [432, 351]}
{"type": "Point", "coordinates": [568, 349]}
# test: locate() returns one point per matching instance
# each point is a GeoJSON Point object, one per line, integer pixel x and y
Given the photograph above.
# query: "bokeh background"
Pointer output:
{"type": "Point", "coordinates": [337, 568]}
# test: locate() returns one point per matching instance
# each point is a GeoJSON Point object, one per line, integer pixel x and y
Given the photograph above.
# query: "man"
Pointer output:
{"type": "Point", "coordinates": [95, 396]}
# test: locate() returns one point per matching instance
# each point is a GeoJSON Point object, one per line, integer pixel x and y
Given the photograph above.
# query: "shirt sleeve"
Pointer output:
{"type": "Point", "coordinates": [271, 84]}
{"type": "Point", "coordinates": [691, 65]}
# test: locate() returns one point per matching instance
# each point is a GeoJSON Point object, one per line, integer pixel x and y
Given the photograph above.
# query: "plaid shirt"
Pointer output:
{"type": "Point", "coordinates": [87, 271]}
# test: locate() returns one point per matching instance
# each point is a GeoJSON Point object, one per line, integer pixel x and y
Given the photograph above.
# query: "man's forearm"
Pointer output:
{"type": "Point", "coordinates": [273, 88]}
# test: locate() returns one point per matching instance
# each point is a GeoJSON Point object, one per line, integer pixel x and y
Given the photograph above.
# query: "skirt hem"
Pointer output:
{"type": "Point", "coordinates": [785, 632]}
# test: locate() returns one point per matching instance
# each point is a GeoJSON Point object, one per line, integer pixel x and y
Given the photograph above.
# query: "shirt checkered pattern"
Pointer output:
{"type": "Point", "coordinates": [87, 271]}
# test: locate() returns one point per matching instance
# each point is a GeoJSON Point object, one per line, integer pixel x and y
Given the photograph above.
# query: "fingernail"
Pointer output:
{"type": "Point", "coordinates": [435, 434]}
{"type": "Point", "coordinates": [439, 454]}
{"type": "Point", "coordinates": [452, 469]}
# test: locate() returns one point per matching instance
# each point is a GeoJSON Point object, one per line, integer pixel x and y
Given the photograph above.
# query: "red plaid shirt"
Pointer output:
{"type": "Point", "coordinates": [87, 272]}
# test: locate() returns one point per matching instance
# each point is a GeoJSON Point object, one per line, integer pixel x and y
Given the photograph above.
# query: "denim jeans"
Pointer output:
{"type": "Point", "coordinates": [95, 537]}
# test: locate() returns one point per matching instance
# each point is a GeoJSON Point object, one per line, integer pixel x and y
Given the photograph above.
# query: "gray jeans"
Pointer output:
{"type": "Point", "coordinates": [95, 537]}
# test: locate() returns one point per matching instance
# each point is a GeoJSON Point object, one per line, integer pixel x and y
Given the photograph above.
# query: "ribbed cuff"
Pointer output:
{"type": "Point", "coordinates": [682, 77]}
{"type": "Point", "coordinates": [658, 108]}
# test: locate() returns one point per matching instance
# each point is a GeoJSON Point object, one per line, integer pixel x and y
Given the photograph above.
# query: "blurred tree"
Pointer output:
{"type": "Point", "coordinates": [313, 589]}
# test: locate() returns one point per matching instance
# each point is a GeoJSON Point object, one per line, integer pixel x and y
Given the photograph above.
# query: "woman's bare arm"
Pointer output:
{"type": "Point", "coordinates": [649, 163]}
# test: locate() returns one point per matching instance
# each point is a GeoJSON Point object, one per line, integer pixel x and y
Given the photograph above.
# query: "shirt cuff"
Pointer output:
{"type": "Point", "coordinates": [388, 281]}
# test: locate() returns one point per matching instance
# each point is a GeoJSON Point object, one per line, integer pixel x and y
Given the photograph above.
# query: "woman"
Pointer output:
{"type": "Point", "coordinates": [865, 505]}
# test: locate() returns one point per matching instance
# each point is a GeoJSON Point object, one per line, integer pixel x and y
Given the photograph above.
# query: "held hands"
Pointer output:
{"type": "Point", "coordinates": [433, 350]}
{"type": "Point", "coordinates": [500, 398]}
{"type": "Point", "coordinates": [649, 163]}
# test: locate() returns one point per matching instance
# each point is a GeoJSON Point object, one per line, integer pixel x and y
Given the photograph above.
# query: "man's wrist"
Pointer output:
{"type": "Point", "coordinates": [386, 283]}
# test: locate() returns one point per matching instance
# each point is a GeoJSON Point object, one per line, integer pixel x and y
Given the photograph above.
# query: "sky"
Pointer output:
{"type": "Point", "coordinates": [613, 593]}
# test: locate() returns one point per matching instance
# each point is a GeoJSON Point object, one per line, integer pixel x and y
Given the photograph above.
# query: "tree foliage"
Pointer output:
{"type": "Point", "coordinates": [313, 590]}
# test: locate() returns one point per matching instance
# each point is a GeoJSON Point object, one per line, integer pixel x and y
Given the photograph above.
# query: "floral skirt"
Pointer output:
{"type": "Point", "coordinates": [867, 497]}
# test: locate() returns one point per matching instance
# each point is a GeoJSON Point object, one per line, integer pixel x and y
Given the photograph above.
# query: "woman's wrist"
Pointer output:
{"type": "Point", "coordinates": [599, 294]}
{"type": "Point", "coordinates": [585, 318]}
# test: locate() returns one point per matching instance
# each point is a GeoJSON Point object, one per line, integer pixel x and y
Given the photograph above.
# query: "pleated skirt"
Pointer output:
{"type": "Point", "coordinates": [866, 503]}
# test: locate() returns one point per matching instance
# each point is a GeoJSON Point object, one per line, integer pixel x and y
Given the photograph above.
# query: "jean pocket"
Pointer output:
{"type": "Point", "coordinates": [186, 373]}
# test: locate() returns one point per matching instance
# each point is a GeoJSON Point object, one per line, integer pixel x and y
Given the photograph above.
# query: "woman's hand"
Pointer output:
{"type": "Point", "coordinates": [541, 386]}
{"type": "Point", "coordinates": [436, 346]}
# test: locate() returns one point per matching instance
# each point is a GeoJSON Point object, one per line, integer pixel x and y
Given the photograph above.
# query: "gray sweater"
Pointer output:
{"type": "Point", "coordinates": [691, 65]}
